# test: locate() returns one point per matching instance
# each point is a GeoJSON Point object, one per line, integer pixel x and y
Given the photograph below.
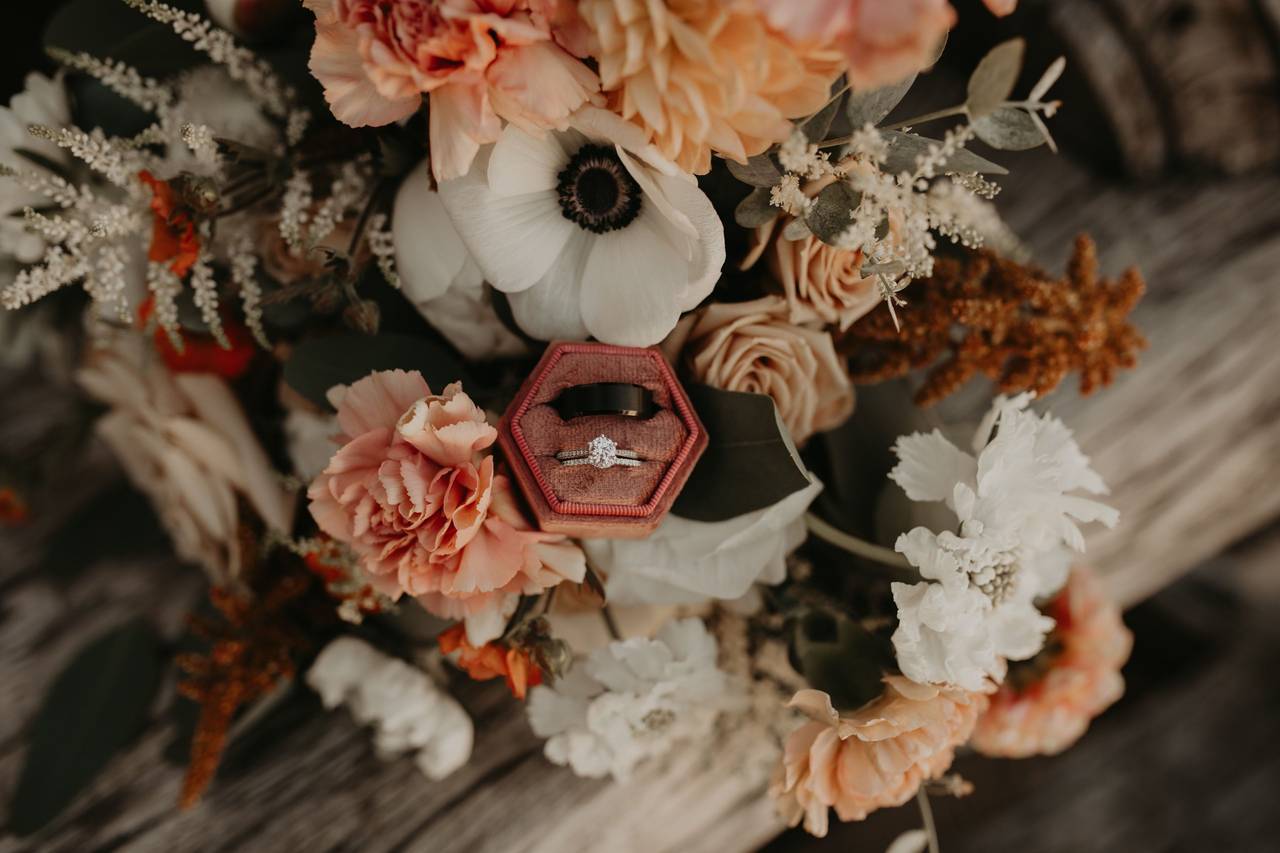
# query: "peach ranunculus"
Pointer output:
{"type": "Point", "coordinates": [884, 41]}
{"type": "Point", "coordinates": [480, 61]}
{"type": "Point", "coordinates": [822, 283]}
{"type": "Point", "coordinates": [754, 348]}
{"type": "Point", "coordinates": [872, 758]}
{"type": "Point", "coordinates": [413, 492]}
{"type": "Point", "coordinates": [492, 660]}
{"type": "Point", "coordinates": [1080, 680]}
{"type": "Point", "coordinates": [706, 75]}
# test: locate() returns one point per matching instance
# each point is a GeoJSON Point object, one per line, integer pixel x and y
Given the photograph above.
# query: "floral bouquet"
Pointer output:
{"type": "Point", "coordinates": [302, 261]}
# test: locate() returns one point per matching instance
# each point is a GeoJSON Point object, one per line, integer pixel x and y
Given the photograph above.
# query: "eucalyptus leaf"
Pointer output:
{"type": "Point", "coordinates": [831, 212]}
{"type": "Point", "coordinates": [905, 148]}
{"type": "Point", "coordinates": [755, 210]}
{"type": "Point", "coordinates": [1009, 129]}
{"type": "Point", "coordinates": [815, 129]}
{"type": "Point", "coordinates": [749, 447]}
{"type": "Point", "coordinates": [872, 105]}
{"type": "Point", "coordinates": [94, 708]}
{"type": "Point", "coordinates": [837, 656]}
{"type": "Point", "coordinates": [796, 229]}
{"type": "Point", "coordinates": [993, 80]}
{"type": "Point", "coordinates": [317, 364]}
{"type": "Point", "coordinates": [92, 533]}
{"type": "Point", "coordinates": [758, 171]}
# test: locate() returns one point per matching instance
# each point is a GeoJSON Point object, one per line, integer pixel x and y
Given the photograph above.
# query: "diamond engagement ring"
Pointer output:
{"type": "Point", "coordinates": [602, 453]}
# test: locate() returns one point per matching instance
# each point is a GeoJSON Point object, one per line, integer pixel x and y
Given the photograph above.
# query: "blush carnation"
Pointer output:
{"type": "Point", "coordinates": [874, 757]}
{"type": "Point", "coordinates": [413, 493]}
{"type": "Point", "coordinates": [1079, 682]}
{"type": "Point", "coordinates": [481, 61]}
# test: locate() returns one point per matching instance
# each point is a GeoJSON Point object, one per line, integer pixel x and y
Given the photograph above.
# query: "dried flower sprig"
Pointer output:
{"type": "Point", "coordinates": [984, 314]}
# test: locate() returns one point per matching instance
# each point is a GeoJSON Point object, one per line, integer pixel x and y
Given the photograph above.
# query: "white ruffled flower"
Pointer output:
{"type": "Point", "coordinates": [689, 562]}
{"type": "Point", "coordinates": [441, 278]}
{"type": "Point", "coordinates": [1016, 518]}
{"type": "Point", "coordinates": [42, 102]}
{"type": "Point", "coordinates": [590, 231]}
{"type": "Point", "coordinates": [633, 700]}
{"type": "Point", "coordinates": [409, 712]}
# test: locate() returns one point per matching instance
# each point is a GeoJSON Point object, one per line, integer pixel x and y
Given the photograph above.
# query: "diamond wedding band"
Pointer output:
{"type": "Point", "coordinates": [602, 452]}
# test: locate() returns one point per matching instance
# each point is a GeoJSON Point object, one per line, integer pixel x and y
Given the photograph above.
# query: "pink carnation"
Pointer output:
{"type": "Point", "coordinates": [414, 494]}
{"type": "Point", "coordinates": [884, 41]}
{"type": "Point", "coordinates": [481, 61]}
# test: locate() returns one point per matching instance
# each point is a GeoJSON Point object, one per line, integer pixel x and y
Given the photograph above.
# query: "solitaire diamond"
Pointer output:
{"type": "Point", "coordinates": [602, 452]}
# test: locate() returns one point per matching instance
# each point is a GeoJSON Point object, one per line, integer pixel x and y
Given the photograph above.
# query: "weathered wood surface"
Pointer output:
{"type": "Point", "coordinates": [1188, 442]}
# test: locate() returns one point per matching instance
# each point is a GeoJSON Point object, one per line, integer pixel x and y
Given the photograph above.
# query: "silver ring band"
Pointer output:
{"type": "Point", "coordinates": [601, 452]}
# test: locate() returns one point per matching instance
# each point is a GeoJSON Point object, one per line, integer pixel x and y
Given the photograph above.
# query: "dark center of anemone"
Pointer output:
{"type": "Point", "coordinates": [597, 192]}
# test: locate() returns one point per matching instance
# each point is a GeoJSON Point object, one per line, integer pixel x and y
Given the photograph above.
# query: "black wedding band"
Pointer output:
{"type": "Point", "coordinates": [606, 398]}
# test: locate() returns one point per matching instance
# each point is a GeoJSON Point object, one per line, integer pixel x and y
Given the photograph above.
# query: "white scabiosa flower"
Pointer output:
{"type": "Point", "coordinates": [408, 711]}
{"type": "Point", "coordinates": [590, 231]}
{"type": "Point", "coordinates": [1016, 517]}
{"type": "Point", "coordinates": [42, 102]}
{"type": "Point", "coordinates": [633, 700]}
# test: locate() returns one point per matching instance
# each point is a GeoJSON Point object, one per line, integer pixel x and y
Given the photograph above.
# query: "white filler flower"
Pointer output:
{"type": "Point", "coordinates": [42, 102]}
{"type": "Point", "coordinates": [1016, 516]}
{"type": "Point", "coordinates": [590, 231]}
{"type": "Point", "coordinates": [631, 701]}
{"type": "Point", "coordinates": [408, 711]}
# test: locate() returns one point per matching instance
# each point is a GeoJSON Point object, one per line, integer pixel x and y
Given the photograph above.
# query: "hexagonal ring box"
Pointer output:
{"type": "Point", "coordinates": [600, 475]}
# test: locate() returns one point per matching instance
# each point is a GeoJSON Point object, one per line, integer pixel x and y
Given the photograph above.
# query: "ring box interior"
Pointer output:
{"type": "Point", "coordinates": [582, 500]}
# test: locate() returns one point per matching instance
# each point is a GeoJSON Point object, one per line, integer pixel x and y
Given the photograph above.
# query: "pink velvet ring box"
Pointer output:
{"type": "Point", "coordinates": [582, 500]}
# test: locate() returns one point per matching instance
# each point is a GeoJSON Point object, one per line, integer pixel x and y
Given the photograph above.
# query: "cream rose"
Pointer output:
{"type": "Point", "coordinates": [752, 347]}
{"type": "Point", "coordinates": [184, 441]}
{"type": "Point", "coordinates": [822, 283]}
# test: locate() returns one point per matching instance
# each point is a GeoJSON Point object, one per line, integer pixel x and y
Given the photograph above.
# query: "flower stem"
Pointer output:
{"type": "Point", "coordinates": [926, 814]}
{"type": "Point", "coordinates": [832, 535]}
{"type": "Point", "coordinates": [911, 122]}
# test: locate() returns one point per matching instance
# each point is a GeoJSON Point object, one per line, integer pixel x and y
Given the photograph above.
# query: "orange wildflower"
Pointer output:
{"type": "Point", "coordinates": [173, 235]}
{"type": "Point", "coordinates": [13, 509]}
{"type": "Point", "coordinates": [492, 660]}
{"type": "Point", "coordinates": [202, 353]}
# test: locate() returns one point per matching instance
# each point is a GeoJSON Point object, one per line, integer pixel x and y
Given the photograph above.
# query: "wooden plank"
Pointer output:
{"type": "Point", "coordinates": [1188, 443]}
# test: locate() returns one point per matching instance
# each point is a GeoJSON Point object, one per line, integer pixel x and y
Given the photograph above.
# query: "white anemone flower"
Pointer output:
{"type": "Point", "coordinates": [1016, 519]}
{"type": "Point", "coordinates": [590, 231]}
{"type": "Point", "coordinates": [43, 101]}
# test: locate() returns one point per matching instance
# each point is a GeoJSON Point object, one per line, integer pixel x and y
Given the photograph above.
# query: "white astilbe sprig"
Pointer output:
{"type": "Point", "coordinates": [349, 188]}
{"type": "Point", "coordinates": [53, 187]}
{"type": "Point", "coordinates": [58, 269]}
{"type": "Point", "coordinates": [244, 275]}
{"type": "Point", "coordinates": [107, 284]}
{"type": "Point", "coordinates": [295, 211]}
{"type": "Point", "coordinates": [123, 79]}
{"type": "Point", "coordinates": [199, 138]}
{"type": "Point", "coordinates": [241, 63]}
{"type": "Point", "coordinates": [204, 291]}
{"type": "Point", "coordinates": [382, 244]}
{"type": "Point", "coordinates": [116, 161]}
{"type": "Point", "coordinates": [165, 285]}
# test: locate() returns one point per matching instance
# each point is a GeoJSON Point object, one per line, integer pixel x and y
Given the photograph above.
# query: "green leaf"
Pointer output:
{"type": "Point", "coordinates": [816, 127]}
{"type": "Point", "coordinates": [95, 707]}
{"type": "Point", "coordinates": [794, 230]}
{"type": "Point", "coordinates": [749, 448]}
{"type": "Point", "coordinates": [872, 105]}
{"type": "Point", "coordinates": [904, 148]}
{"type": "Point", "coordinates": [92, 533]}
{"type": "Point", "coordinates": [755, 210]}
{"type": "Point", "coordinates": [839, 657]}
{"type": "Point", "coordinates": [758, 171]}
{"type": "Point", "coordinates": [1009, 129]}
{"type": "Point", "coordinates": [318, 364]}
{"type": "Point", "coordinates": [993, 80]}
{"type": "Point", "coordinates": [831, 212]}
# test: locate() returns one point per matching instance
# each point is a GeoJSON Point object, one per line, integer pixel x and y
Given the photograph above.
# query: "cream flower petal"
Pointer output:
{"type": "Point", "coordinates": [709, 249]}
{"type": "Point", "coordinates": [429, 254]}
{"type": "Point", "coordinates": [461, 121]}
{"type": "Point", "coordinates": [629, 285]}
{"type": "Point", "coordinates": [552, 308]}
{"type": "Point", "coordinates": [514, 239]}
{"type": "Point", "coordinates": [523, 163]}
